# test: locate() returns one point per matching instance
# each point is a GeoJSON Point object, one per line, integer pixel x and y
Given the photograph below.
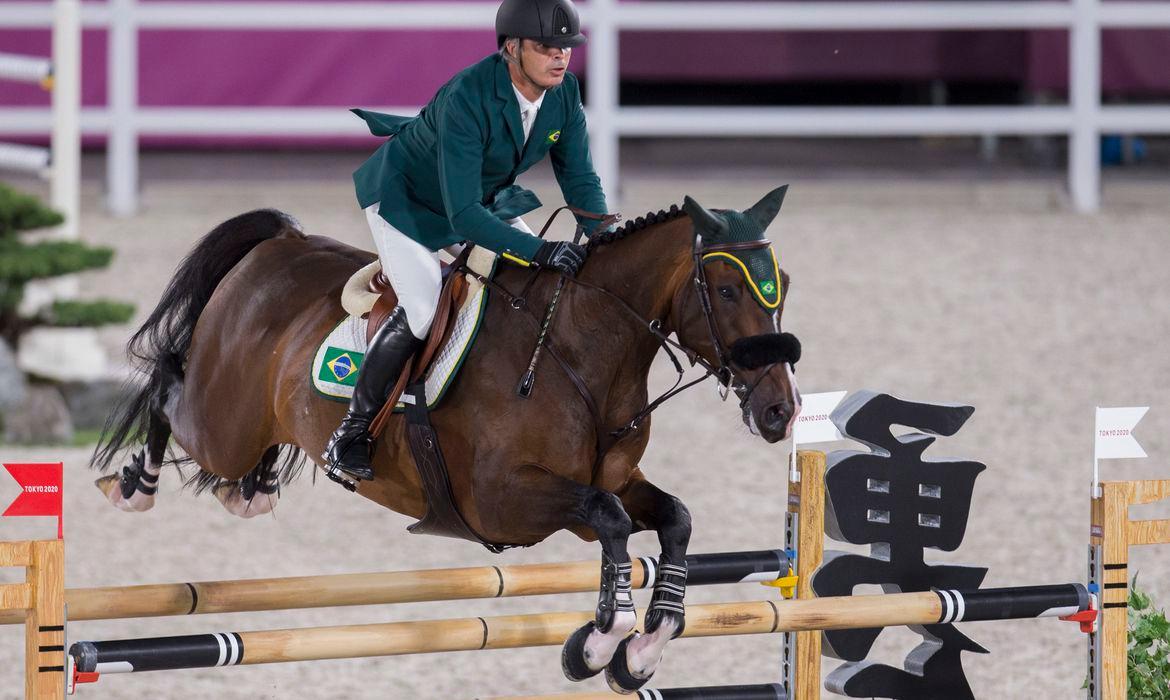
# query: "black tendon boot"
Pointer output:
{"type": "Point", "coordinates": [351, 446]}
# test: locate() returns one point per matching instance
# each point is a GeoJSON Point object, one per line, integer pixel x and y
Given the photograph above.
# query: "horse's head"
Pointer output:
{"type": "Point", "coordinates": [730, 312]}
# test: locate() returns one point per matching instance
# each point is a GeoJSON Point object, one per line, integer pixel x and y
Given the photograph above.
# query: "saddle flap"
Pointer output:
{"type": "Point", "coordinates": [451, 299]}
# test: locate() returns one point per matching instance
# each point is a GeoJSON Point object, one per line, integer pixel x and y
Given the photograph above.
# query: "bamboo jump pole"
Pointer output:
{"type": "Point", "coordinates": [546, 629]}
{"type": "Point", "coordinates": [159, 600]}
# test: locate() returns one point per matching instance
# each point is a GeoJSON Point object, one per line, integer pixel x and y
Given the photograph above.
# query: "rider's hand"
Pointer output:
{"type": "Point", "coordinates": [561, 255]}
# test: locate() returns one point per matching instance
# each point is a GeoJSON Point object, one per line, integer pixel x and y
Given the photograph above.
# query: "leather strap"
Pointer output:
{"type": "Point", "coordinates": [604, 220]}
{"type": "Point", "coordinates": [380, 420]}
{"type": "Point", "coordinates": [740, 245]}
{"type": "Point", "coordinates": [442, 517]}
{"type": "Point", "coordinates": [450, 299]}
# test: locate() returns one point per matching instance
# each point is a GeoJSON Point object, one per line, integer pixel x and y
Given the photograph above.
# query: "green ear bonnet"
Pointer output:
{"type": "Point", "coordinates": [759, 265]}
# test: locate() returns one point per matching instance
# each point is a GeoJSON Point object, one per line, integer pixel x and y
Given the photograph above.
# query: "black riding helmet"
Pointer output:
{"type": "Point", "coordinates": [552, 22]}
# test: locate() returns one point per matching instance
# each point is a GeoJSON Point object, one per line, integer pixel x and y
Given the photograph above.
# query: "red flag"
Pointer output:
{"type": "Point", "coordinates": [40, 490]}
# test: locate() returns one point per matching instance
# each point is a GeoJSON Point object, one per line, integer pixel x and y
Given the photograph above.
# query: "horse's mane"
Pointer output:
{"type": "Point", "coordinates": [632, 225]}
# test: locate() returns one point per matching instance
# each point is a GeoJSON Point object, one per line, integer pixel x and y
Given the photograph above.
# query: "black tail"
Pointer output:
{"type": "Point", "coordinates": [159, 348]}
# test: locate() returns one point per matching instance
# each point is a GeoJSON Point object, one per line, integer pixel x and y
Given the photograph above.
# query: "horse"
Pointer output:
{"type": "Point", "coordinates": [227, 350]}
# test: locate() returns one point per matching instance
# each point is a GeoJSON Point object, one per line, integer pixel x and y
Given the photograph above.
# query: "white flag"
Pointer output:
{"type": "Point", "coordinates": [813, 423]}
{"type": "Point", "coordinates": [1115, 432]}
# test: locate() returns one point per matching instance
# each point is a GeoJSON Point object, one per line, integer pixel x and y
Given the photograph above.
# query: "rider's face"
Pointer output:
{"type": "Point", "coordinates": [542, 64]}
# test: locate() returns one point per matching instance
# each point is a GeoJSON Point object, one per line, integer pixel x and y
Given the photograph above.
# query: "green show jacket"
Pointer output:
{"type": "Point", "coordinates": [449, 174]}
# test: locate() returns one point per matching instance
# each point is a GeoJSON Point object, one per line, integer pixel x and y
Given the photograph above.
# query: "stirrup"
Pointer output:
{"type": "Point", "coordinates": [337, 474]}
{"type": "Point", "coordinates": [340, 477]}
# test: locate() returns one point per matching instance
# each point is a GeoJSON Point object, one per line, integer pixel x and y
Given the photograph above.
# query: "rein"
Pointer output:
{"type": "Point", "coordinates": [723, 372]}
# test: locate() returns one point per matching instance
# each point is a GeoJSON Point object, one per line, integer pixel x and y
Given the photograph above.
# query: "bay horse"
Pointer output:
{"type": "Point", "coordinates": [226, 356]}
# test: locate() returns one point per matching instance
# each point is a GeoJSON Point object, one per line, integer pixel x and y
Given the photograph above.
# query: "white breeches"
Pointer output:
{"type": "Point", "coordinates": [413, 269]}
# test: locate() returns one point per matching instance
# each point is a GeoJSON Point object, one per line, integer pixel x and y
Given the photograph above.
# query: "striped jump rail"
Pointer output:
{"type": "Point", "coordinates": [547, 629]}
{"type": "Point", "coordinates": [768, 691]}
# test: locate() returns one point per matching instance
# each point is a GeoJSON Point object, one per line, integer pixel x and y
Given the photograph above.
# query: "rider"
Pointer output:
{"type": "Point", "coordinates": [448, 176]}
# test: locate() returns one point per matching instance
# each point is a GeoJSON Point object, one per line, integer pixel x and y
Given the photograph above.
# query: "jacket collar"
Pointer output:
{"type": "Point", "coordinates": [509, 107]}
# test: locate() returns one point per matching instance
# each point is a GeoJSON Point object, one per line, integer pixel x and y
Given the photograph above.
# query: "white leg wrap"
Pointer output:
{"type": "Point", "coordinates": [644, 652]}
{"type": "Point", "coordinates": [599, 647]}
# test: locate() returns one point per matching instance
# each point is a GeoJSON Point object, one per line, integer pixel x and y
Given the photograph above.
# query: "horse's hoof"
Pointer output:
{"type": "Point", "coordinates": [232, 499]}
{"type": "Point", "coordinates": [111, 486]}
{"type": "Point", "coordinates": [573, 655]}
{"type": "Point", "coordinates": [108, 483]}
{"type": "Point", "coordinates": [617, 673]}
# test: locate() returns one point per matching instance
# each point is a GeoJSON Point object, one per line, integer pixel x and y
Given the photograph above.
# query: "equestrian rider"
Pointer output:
{"type": "Point", "coordinates": [448, 175]}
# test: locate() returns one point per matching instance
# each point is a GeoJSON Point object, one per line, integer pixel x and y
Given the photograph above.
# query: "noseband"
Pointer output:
{"type": "Point", "coordinates": [724, 373]}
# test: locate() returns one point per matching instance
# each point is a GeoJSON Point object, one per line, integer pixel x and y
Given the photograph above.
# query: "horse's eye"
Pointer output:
{"type": "Point", "coordinates": [727, 293]}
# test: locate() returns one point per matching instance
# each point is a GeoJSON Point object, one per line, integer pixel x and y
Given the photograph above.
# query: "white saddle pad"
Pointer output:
{"type": "Point", "coordinates": [339, 357]}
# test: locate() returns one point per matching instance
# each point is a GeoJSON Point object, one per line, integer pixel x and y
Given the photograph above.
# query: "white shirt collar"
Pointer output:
{"type": "Point", "coordinates": [525, 102]}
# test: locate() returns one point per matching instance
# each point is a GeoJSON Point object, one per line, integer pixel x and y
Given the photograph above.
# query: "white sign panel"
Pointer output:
{"type": "Point", "coordinates": [813, 423]}
{"type": "Point", "coordinates": [1114, 439]}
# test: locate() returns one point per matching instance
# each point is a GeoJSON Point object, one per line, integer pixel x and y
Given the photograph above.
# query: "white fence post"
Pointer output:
{"type": "Point", "coordinates": [1084, 144]}
{"type": "Point", "coordinates": [604, 79]}
{"type": "Point", "coordinates": [65, 158]}
{"type": "Point", "coordinates": [122, 146]}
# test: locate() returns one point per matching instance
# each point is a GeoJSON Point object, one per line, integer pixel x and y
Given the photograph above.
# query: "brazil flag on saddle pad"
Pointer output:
{"type": "Point", "coordinates": [340, 355]}
{"type": "Point", "coordinates": [340, 366]}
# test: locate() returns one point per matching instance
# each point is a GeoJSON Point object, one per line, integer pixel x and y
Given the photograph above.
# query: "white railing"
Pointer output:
{"type": "Point", "coordinates": [1082, 120]}
{"type": "Point", "coordinates": [60, 163]}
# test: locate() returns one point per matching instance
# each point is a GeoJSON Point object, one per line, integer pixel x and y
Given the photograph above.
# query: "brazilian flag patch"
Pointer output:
{"type": "Point", "coordinates": [554, 136]}
{"type": "Point", "coordinates": [340, 366]}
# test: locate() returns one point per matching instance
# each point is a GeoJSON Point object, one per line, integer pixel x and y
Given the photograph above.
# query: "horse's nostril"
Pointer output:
{"type": "Point", "coordinates": [774, 417]}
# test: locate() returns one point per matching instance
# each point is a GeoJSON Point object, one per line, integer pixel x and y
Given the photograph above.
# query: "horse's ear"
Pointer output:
{"type": "Point", "coordinates": [707, 223]}
{"type": "Point", "coordinates": [765, 210]}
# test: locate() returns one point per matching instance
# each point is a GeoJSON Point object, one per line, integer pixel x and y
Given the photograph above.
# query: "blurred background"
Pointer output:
{"type": "Point", "coordinates": [978, 213]}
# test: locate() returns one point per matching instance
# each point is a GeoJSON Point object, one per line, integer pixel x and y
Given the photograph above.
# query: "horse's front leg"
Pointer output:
{"type": "Point", "coordinates": [652, 508]}
{"type": "Point", "coordinates": [534, 503]}
{"type": "Point", "coordinates": [590, 648]}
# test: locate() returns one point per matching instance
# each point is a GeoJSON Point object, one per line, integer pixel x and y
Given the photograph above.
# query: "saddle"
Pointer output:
{"type": "Point", "coordinates": [368, 294]}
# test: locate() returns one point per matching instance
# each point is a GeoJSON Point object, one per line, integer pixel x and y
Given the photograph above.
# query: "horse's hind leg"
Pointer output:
{"type": "Point", "coordinates": [134, 489]}
{"type": "Point", "coordinates": [257, 492]}
{"type": "Point", "coordinates": [653, 509]}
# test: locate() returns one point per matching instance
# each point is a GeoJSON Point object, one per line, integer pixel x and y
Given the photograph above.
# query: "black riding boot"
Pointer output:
{"type": "Point", "coordinates": [350, 448]}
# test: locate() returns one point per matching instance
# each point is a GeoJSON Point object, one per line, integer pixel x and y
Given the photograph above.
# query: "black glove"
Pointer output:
{"type": "Point", "coordinates": [560, 255]}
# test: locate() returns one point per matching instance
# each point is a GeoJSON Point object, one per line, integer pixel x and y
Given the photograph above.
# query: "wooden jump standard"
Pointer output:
{"type": "Point", "coordinates": [506, 632]}
{"type": "Point", "coordinates": [158, 600]}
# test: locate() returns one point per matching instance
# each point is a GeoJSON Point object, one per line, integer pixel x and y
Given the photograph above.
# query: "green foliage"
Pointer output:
{"type": "Point", "coordinates": [22, 212]}
{"type": "Point", "coordinates": [20, 263]}
{"type": "Point", "coordinates": [89, 313]}
{"type": "Point", "coordinates": [1148, 648]}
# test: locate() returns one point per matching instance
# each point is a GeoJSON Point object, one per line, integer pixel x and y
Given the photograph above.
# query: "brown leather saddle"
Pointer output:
{"type": "Point", "coordinates": [451, 298]}
{"type": "Point", "coordinates": [442, 516]}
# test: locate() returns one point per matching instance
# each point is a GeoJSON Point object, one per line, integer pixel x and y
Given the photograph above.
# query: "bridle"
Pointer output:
{"type": "Point", "coordinates": [723, 371]}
